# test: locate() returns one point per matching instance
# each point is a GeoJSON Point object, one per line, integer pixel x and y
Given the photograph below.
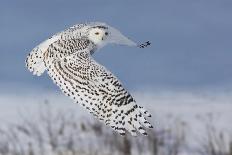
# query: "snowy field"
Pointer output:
{"type": "Point", "coordinates": [193, 110]}
{"type": "Point", "coordinates": [188, 107]}
{"type": "Point", "coordinates": [164, 106]}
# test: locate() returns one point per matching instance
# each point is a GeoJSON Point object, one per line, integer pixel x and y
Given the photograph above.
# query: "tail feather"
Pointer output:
{"type": "Point", "coordinates": [35, 59]}
{"type": "Point", "coordinates": [34, 62]}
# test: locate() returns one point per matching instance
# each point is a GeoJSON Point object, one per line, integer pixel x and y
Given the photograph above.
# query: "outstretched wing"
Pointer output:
{"type": "Point", "coordinates": [34, 61]}
{"type": "Point", "coordinates": [79, 76]}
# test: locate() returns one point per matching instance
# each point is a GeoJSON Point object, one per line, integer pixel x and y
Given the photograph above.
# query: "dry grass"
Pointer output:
{"type": "Point", "coordinates": [62, 133]}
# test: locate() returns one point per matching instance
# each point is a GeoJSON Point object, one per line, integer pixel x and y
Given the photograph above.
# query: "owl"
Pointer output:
{"type": "Point", "coordinates": [67, 58]}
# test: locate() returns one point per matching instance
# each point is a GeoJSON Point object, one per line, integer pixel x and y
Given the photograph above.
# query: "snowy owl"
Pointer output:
{"type": "Point", "coordinates": [67, 58]}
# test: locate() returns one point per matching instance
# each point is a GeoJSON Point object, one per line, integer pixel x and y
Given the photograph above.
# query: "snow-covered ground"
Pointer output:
{"type": "Point", "coordinates": [188, 107]}
{"type": "Point", "coordinates": [194, 110]}
{"type": "Point", "coordinates": [197, 111]}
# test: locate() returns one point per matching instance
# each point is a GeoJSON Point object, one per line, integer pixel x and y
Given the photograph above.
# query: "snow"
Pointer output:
{"type": "Point", "coordinates": [193, 110]}
{"type": "Point", "coordinates": [188, 107]}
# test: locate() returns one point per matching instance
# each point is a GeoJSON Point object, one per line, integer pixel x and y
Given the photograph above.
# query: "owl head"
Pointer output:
{"type": "Point", "coordinates": [103, 34]}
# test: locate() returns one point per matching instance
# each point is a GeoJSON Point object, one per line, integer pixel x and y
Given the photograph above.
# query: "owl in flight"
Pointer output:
{"type": "Point", "coordinates": [67, 58]}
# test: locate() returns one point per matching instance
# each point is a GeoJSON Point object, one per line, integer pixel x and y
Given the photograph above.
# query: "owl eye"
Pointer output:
{"type": "Point", "coordinates": [97, 33]}
{"type": "Point", "coordinates": [106, 33]}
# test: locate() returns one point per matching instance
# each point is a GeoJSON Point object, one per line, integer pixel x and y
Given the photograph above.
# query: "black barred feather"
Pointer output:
{"type": "Point", "coordinates": [71, 66]}
{"type": "Point", "coordinates": [67, 58]}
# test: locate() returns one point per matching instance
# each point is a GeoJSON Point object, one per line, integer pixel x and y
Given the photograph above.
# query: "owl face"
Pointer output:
{"type": "Point", "coordinates": [98, 35]}
{"type": "Point", "coordinates": [102, 35]}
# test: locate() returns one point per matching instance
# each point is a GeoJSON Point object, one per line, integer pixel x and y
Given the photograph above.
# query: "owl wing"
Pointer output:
{"type": "Point", "coordinates": [71, 66]}
{"type": "Point", "coordinates": [34, 61]}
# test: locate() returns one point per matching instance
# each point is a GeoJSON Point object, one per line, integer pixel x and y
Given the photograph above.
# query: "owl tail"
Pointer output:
{"type": "Point", "coordinates": [34, 61]}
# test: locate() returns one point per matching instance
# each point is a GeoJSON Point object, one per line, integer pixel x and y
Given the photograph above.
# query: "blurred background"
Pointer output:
{"type": "Point", "coordinates": [184, 76]}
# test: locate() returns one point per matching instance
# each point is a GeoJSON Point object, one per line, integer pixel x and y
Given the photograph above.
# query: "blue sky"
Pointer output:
{"type": "Point", "coordinates": [191, 40]}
